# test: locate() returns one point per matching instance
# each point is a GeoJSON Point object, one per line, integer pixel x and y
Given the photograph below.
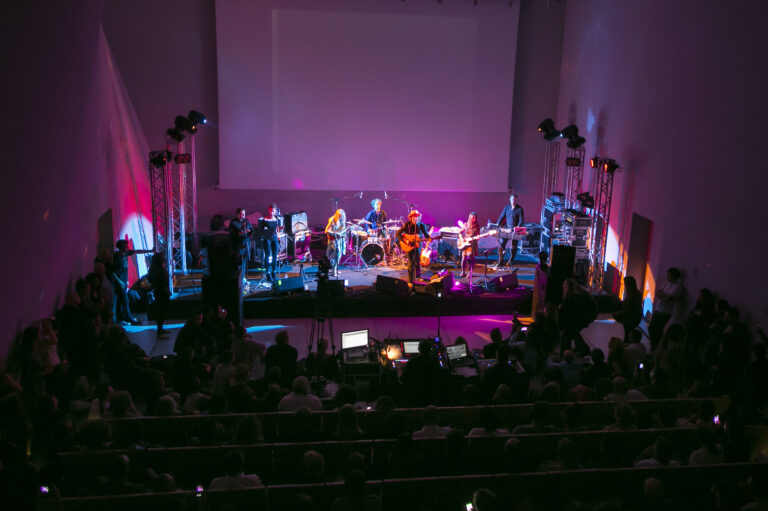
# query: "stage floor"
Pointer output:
{"type": "Point", "coordinates": [361, 298]}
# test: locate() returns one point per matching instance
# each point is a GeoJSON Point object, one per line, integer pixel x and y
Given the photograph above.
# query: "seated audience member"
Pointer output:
{"type": "Point", "coordinates": [313, 467]}
{"type": "Point", "coordinates": [489, 422]}
{"type": "Point", "coordinates": [121, 406]}
{"type": "Point", "coordinates": [598, 369]}
{"type": "Point", "coordinates": [223, 372]}
{"type": "Point", "coordinates": [622, 392]}
{"type": "Point", "coordinates": [625, 418]}
{"type": "Point", "coordinates": [115, 481]}
{"type": "Point", "coordinates": [404, 460]}
{"type": "Point", "coordinates": [670, 357]}
{"type": "Point", "coordinates": [431, 428]}
{"type": "Point", "coordinates": [539, 421]}
{"type": "Point", "coordinates": [166, 406]}
{"type": "Point", "coordinates": [355, 496]}
{"type": "Point", "coordinates": [249, 430]}
{"type": "Point", "coordinates": [490, 349]}
{"type": "Point", "coordinates": [282, 355]}
{"type": "Point", "coordinates": [347, 427]}
{"type": "Point", "coordinates": [500, 373]}
{"type": "Point", "coordinates": [502, 396]}
{"type": "Point", "coordinates": [634, 351]}
{"type": "Point", "coordinates": [710, 451]}
{"type": "Point", "coordinates": [485, 500]}
{"type": "Point", "coordinates": [570, 369]}
{"type": "Point", "coordinates": [616, 360]}
{"type": "Point", "coordinates": [99, 407]}
{"type": "Point", "coordinates": [663, 453]}
{"type": "Point", "coordinates": [322, 363]}
{"type": "Point", "coordinates": [234, 461]}
{"type": "Point", "coordinates": [300, 397]}
{"type": "Point", "coordinates": [513, 456]}
{"type": "Point", "coordinates": [423, 376]}
{"type": "Point", "coordinates": [631, 311]}
{"type": "Point", "coordinates": [567, 457]}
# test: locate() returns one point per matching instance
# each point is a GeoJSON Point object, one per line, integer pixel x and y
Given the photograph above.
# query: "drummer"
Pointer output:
{"type": "Point", "coordinates": [375, 218]}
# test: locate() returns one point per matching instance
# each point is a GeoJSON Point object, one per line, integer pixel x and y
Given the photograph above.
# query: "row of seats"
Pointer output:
{"type": "Point", "coordinates": [686, 488]}
{"type": "Point", "coordinates": [279, 463]}
{"type": "Point", "coordinates": [177, 430]}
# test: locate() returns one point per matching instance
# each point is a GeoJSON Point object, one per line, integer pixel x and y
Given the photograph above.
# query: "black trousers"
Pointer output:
{"type": "Point", "coordinates": [414, 268]}
{"type": "Point", "coordinates": [503, 247]}
{"type": "Point", "coordinates": [270, 247]}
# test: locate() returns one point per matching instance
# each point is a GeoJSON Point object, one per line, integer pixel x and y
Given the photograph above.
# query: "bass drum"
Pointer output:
{"type": "Point", "coordinates": [372, 253]}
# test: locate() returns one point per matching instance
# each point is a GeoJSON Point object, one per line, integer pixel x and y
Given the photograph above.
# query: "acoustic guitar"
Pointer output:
{"type": "Point", "coordinates": [410, 241]}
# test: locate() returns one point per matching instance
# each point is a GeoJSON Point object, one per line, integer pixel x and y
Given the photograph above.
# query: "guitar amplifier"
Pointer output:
{"type": "Point", "coordinates": [298, 245]}
{"type": "Point", "coordinates": [295, 222]}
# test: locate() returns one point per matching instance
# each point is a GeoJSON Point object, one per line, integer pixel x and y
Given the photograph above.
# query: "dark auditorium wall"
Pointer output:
{"type": "Point", "coordinates": [677, 94]}
{"type": "Point", "coordinates": [166, 51]}
{"type": "Point", "coordinates": [53, 191]}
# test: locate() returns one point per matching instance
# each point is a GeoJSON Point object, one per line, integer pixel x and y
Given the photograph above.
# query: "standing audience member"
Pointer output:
{"type": "Point", "coordinates": [667, 297]}
{"type": "Point", "coordinates": [422, 376]}
{"type": "Point", "coordinates": [282, 355]}
{"type": "Point", "coordinates": [631, 311]}
{"type": "Point", "coordinates": [120, 281]}
{"type": "Point", "coordinates": [572, 317]}
{"type": "Point", "coordinates": [540, 285]}
{"type": "Point", "coordinates": [158, 277]}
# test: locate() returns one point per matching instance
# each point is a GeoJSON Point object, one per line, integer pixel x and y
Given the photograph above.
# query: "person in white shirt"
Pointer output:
{"type": "Point", "coordinates": [234, 461]}
{"type": "Point", "coordinates": [300, 397]}
{"type": "Point", "coordinates": [667, 297]}
{"type": "Point", "coordinates": [431, 428]}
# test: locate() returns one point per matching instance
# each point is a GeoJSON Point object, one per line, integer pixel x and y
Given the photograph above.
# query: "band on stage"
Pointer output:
{"type": "Point", "coordinates": [374, 240]}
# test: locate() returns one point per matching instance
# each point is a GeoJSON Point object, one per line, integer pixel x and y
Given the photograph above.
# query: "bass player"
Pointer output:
{"type": "Point", "coordinates": [410, 236]}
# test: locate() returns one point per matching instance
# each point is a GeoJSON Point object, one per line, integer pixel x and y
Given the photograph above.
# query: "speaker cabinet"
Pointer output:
{"type": "Point", "coordinates": [330, 288]}
{"type": "Point", "coordinates": [288, 285]}
{"type": "Point", "coordinates": [504, 283]}
{"type": "Point", "coordinates": [562, 261]}
{"type": "Point", "coordinates": [391, 286]}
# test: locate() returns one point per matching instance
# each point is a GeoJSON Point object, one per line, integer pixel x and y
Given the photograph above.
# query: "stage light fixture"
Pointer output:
{"type": "Point", "coordinates": [175, 134]}
{"type": "Point", "coordinates": [586, 200]}
{"type": "Point", "coordinates": [572, 134]}
{"type": "Point", "coordinates": [610, 166]}
{"type": "Point", "coordinates": [159, 159]}
{"type": "Point", "coordinates": [594, 162]}
{"type": "Point", "coordinates": [184, 124]}
{"type": "Point", "coordinates": [197, 118]}
{"type": "Point", "coordinates": [547, 128]}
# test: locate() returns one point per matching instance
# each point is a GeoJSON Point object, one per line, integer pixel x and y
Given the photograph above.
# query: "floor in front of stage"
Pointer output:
{"type": "Point", "coordinates": [475, 329]}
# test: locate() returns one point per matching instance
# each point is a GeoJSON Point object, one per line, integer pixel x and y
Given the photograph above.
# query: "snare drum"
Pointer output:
{"type": "Point", "coordinates": [372, 253]}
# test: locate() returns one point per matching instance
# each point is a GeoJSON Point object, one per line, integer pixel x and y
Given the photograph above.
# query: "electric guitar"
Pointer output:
{"type": "Point", "coordinates": [463, 242]}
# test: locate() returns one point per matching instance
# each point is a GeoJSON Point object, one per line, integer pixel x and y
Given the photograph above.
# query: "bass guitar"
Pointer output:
{"type": "Point", "coordinates": [463, 242]}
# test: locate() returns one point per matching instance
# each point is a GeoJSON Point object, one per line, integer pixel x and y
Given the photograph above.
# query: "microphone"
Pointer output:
{"type": "Point", "coordinates": [386, 196]}
{"type": "Point", "coordinates": [359, 195]}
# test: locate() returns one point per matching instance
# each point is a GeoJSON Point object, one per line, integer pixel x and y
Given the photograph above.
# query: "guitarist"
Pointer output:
{"type": "Point", "coordinates": [469, 230]}
{"type": "Point", "coordinates": [511, 216]}
{"type": "Point", "coordinates": [410, 236]}
{"type": "Point", "coordinates": [335, 230]}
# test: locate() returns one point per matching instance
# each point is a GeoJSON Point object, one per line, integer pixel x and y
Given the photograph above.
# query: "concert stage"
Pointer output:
{"type": "Point", "coordinates": [360, 297]}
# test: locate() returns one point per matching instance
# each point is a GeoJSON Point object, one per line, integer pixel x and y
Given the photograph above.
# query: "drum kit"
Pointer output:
{"type": "Point", "coordinates": [373, 247]}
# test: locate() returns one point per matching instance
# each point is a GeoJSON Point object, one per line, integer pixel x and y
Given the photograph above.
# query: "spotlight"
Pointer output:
{"type": "Point", "coordinates": [175, 134]}
{"type": "Point", "coordinates": [610, 166]}
{"type": "Point", "coordinates": [197, 118]}
{"type": "Point", "coordinates": [572, 134]}
{"type": "Point", "coordinates": [547, 128]}
{"type": "Point", "coordinates": [594, 162]}
{"type": "Point", "coordinates": [159, 159]}
{"type": "Point", "coordinates": [586, 200]}
{"type": "Point", "coordinates": [184, 124]}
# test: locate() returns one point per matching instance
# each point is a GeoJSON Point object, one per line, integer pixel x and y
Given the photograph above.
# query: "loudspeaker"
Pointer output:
{"type": "Point", "coordinates": [391, 286]}
{"type": "Point", "coordinates": [562, 261]}
{"type": "Point", "coordinates": [442, 285]}
{"type": "Point", "coordinates": [295, 221]}
{"type": "Point", "coordinates": [504, 282]}
{"type": "Point", "coordinates": [298, 246]}
{"type": "Point", "coordinates": [219, 260]}
{"type": "Point", "coordinates": [288, 285]}
{"type": "Point", "coordinates": [330, 288]}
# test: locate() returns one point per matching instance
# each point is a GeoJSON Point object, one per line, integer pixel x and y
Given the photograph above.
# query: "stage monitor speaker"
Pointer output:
{"type": "Point", "coordinates": [330, 288]}
{"type": "Point", "coordinates": [504, 282]}
{"type": "Point", "coordinates": [442, 285]}
{"type": "Point", "coordinates": [288, 285]}
{"type": "Point", "coordinates": [562, 261]}
{"type": "Point", "coordinates": [391, 286]}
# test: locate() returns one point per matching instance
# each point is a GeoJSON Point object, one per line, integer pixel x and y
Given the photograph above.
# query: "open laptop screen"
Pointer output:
{"type": "Point", "coordinates": [456, 351]}
{"type": "Point", "coordinates": [356, 339]}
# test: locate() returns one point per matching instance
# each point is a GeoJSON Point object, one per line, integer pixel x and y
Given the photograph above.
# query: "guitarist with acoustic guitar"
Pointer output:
{"type": "Point", "coordinates": [410, 236]}
{"type": "Point", "coordinates": [336, 232]}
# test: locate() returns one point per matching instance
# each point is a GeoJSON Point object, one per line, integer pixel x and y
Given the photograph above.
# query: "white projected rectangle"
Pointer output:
{"type": "Point", "coordinates": [396, 97]}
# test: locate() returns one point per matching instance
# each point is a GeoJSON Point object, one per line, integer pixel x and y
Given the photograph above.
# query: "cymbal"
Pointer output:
{"type": "Point", "coordinates": [392, 222]}
{"type": "Point", "coordinates": [361, 221]}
